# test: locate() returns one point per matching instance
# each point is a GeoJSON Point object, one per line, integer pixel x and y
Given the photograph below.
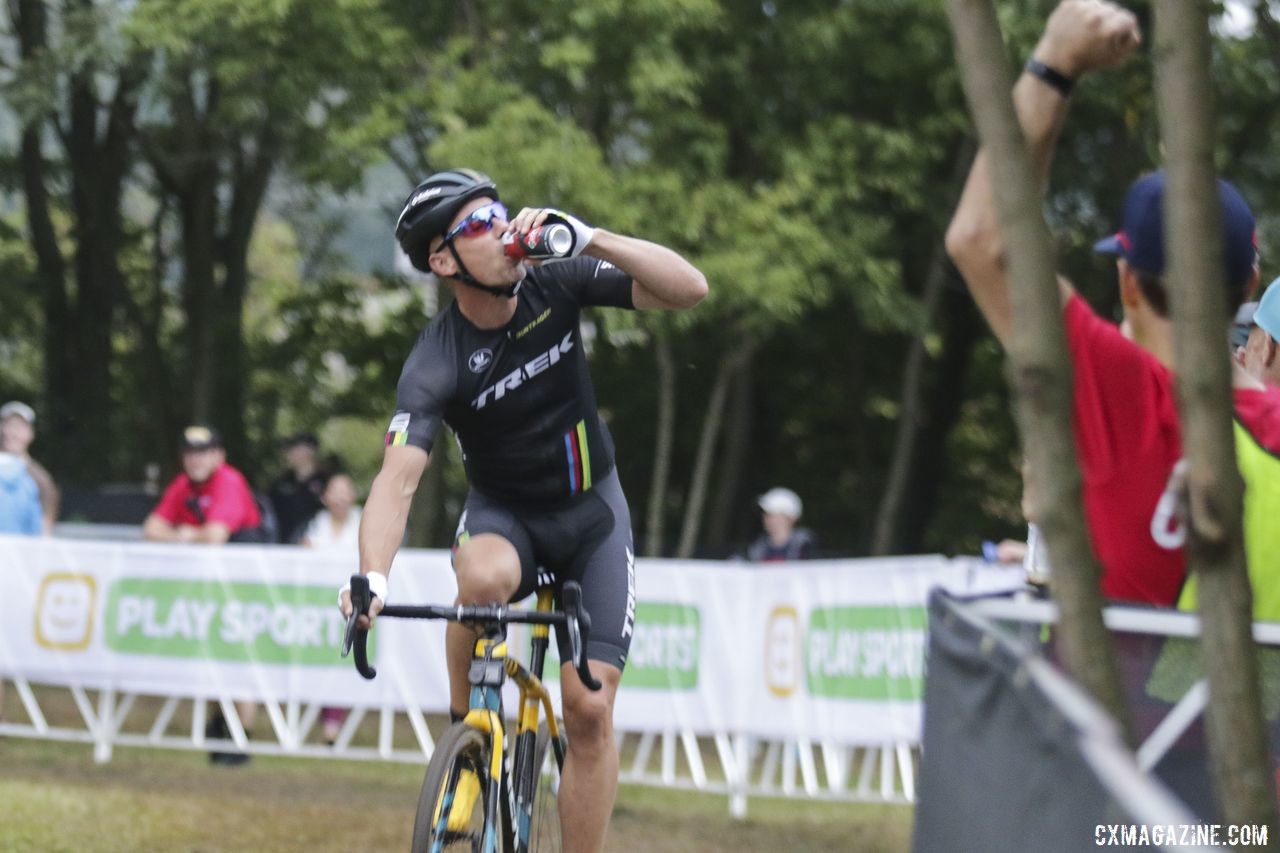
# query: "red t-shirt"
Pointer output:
{"type": "Point", "coordinates": [224, 497]}
{"type": "Point", "coordinates": [1258, 411]}
{"type": "Point", "coordinates": [1128, 438]}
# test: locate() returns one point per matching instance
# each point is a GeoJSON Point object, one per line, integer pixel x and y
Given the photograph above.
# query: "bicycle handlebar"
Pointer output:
{"type": "Point", "coordinates": [574, 619]}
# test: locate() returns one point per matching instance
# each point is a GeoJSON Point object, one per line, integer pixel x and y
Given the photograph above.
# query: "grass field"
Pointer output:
{"type": "Point", "coordinates": [56, 798]}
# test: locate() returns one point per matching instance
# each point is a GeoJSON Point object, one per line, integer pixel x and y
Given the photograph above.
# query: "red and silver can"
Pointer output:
{"type": "Point", "coordinates": [542, 243]}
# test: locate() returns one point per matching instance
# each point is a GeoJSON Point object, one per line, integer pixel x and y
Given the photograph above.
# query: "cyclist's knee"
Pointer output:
{"type": "Point", "coordinates": [588, 716]}
{"type": "Point", "coordinates": [488, 569]}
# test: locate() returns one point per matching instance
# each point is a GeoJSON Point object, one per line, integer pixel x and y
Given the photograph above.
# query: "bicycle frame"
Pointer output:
{"type": "Point", "coordinates": [489, 669]}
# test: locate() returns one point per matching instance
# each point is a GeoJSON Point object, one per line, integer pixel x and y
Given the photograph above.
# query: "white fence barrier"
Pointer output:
{"type": "Point", "coordinates": [794, 680]}
{"type": "Point", "coordinates": [1187, 693]}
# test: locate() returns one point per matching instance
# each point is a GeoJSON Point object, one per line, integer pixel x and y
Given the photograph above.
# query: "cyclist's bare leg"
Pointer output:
{"type": "Point", "coordinates": [488, 570]}
{"type": "Point", "coordinates": [590, 778]}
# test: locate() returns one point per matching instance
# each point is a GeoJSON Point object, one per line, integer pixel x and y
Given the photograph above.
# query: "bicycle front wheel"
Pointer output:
{"type": "Point", "coordinates": [455, 795]}
{"type": "Point", "coordinates": [544, 829]}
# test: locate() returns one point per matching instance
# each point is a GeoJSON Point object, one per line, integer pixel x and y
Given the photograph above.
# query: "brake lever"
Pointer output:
{"type": "Point", "coordinates": [361, 599]}
{"type": "Point", "coordinates": [578, 625]}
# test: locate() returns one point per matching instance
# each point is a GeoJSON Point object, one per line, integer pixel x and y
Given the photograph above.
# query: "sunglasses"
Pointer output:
{"type": "Point", "coordinates": [477, 222]}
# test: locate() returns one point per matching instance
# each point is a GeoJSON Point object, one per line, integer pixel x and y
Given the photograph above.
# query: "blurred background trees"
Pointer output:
{"type": "Point", "coordinates": [197, 196]}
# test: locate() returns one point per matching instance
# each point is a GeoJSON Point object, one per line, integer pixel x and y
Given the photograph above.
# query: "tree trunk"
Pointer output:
{"type": "Point", "coordinates": [51, 269]}
{"type": "Point", "coordinates": [250, 176]}
{"type": "Point", "coordinates": [663, 444]}
{"type": "Point", "coordinates": [198, 204]}
{"type": "Point", "coordinates": [59, 345]}
{"type": "Point", "coordinates": [1215, 548]}
{"type": "Point", "coordinates": [961, 330]}
{"type": "Point", "coordinates": [886, 536]}
{"type": "Point", "coordinates": [427, 524]}
{"type": "Point", "coordinates": [78, 334]}
{"type": "Point", "coordinates": [725, 505]}
{"type": "Point", "coordinates": [1040, 369]}
{"type": "Point", "coordinates": [729, 366]}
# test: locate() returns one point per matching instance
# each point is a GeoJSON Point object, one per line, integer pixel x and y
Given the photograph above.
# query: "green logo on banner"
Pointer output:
{"type": "Point", "coordinates": [665, 647]}
{"type": "Point", "coordinates": [866, 652]}
{"type": "Point", "coordinates": [233, 622]}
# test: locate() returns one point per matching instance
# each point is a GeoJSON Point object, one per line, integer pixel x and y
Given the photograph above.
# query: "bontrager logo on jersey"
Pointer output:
{"type": "Point", "coordinates": [521, 374]}
{"type": "Point", "coordinates": [480, 359]}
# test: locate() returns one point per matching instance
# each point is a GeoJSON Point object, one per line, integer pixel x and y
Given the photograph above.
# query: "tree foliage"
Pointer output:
{"type": "Point", "coordinates": [801, 153]}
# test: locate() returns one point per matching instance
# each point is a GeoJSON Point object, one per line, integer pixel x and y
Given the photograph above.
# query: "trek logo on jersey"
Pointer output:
{"type": "Point", "coordinates": [398, 430]}
{"type": "Point", "coordinates": [521, 374]}
{"type": "Point", "coordinates": [480, 359]}
{"type": "Point", "coordinates": [601, 266]}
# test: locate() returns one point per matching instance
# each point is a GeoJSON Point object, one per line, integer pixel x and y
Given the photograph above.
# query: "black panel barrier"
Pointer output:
{"type": "Point", "coordinates": [1016, 757]}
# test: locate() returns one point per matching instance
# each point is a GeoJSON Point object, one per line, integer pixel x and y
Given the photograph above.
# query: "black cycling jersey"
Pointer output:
{"type": "Point", "coordinates": [518, 398]}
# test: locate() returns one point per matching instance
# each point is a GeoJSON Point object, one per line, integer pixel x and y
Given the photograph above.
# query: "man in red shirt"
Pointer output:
{"type": "Point", "coordinates": [209, 502]}
{"type": "Point", "coordinates": [1125, 416]}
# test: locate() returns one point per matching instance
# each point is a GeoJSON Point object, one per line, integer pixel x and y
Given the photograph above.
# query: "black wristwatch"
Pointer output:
{"type": "Point", "coordinates": [1050, 76]}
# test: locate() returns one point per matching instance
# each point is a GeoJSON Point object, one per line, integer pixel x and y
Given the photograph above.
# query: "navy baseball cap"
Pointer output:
{"type": "Point", "coordinates": [1140, 240]}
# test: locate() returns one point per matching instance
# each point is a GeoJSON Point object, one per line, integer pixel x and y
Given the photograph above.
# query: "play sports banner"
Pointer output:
{"type": "Point", "coordinates": [825, 650]}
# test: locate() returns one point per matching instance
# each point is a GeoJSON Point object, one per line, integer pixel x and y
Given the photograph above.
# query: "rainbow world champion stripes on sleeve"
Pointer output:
{"type": "Point", "coordinates": [398, 430]}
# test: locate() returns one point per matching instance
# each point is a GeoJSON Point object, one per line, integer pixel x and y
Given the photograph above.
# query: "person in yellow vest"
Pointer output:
{"type": "Point", "coordinates": [1256, 338]}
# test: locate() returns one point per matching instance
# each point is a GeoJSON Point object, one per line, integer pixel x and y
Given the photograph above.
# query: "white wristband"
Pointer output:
{"type": "Point", "coordinates": [377, 586]}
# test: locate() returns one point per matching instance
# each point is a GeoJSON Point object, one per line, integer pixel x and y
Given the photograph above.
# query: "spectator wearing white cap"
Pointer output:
{"type": "Point", "coordinates": [17, 432]}
{"type": "Point", "coordinates": [781, 540]}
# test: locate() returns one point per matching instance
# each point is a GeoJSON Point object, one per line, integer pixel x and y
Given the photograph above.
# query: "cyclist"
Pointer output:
{"type": "Point", "coordinates": [504, 367]}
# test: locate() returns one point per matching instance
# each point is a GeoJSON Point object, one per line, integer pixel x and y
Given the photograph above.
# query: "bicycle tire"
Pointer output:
{"type": "Point", "coordinates": [460, 750]}
{"type": "Point", "coordinates": [544, 828]}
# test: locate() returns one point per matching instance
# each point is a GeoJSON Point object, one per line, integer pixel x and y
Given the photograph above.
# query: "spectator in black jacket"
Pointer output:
{"type": "Point", "coordinates": [295, 495]}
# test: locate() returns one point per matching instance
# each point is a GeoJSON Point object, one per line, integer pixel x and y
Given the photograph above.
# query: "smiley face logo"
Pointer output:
{"type": "Point", "coordinates": [782, 651]}
{"type": "Point", "coordinates": [64, 611]}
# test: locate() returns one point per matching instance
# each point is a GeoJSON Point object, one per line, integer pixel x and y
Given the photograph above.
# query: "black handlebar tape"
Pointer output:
{"type": "Point", "coordinates": [361, 599]}
{"type": "Point", "coordinates": [579, 627]}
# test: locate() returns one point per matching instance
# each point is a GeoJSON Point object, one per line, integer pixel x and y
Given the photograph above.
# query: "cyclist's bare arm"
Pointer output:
{"type": "Point", "coordinates": [386, 512]}
{"type": "Point", "coordinates": [660, 277]}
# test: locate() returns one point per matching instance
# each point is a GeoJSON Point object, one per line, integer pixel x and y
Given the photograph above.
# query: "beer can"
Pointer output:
{"type": "Point", "coordinates": [542, 243]}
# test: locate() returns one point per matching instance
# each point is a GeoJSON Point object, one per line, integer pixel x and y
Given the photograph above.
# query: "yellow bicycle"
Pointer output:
{"type": "Point", "coordinates": [482, 792]}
